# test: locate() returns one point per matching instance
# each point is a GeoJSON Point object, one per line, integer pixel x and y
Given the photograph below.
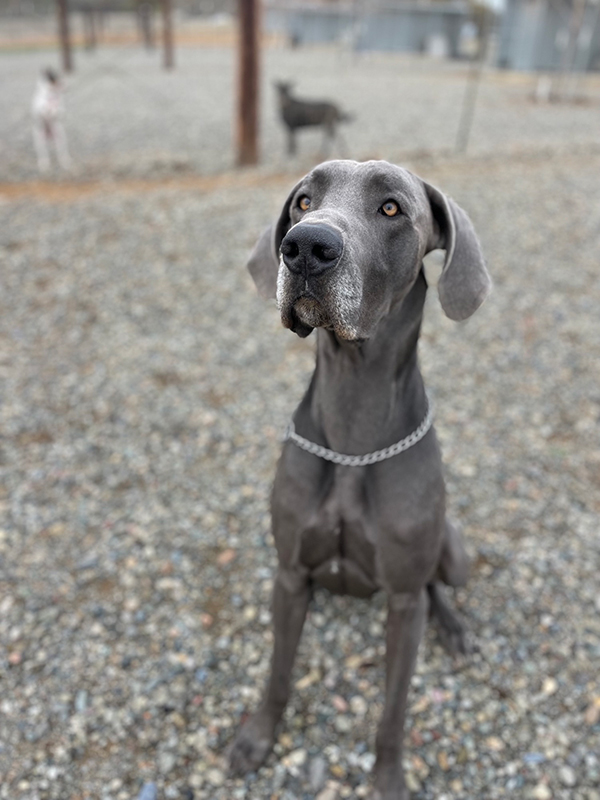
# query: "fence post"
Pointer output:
{"type": "Point", "coordinates": [62, 8]}
{"type": "Point", "coordinates": [167, 11]}
{"type": "Point", "coordinates": [248, 79]}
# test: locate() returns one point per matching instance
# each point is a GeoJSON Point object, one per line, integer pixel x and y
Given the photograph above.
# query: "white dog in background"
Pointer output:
{"type": "Point", "coordinates": [47, 109]}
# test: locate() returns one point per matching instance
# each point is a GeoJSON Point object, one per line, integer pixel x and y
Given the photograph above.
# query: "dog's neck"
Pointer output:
{"type": "Point", "coordinates": [366, 396]}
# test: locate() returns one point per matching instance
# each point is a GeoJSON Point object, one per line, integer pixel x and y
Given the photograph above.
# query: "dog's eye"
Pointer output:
{"type": "Point", "coordinates": [390, 208]}
{"type": "Point", "coordinates": [304, 203]}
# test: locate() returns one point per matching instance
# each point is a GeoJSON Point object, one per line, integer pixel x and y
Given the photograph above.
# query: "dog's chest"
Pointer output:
{"type": "Point", "coordinates": [335, 544]}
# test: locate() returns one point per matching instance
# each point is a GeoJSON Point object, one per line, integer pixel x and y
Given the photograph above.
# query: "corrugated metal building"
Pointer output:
{"type": "Point", "coordinates": [535, 34]}
{"type": "Point", "coordinates": [438, 28]}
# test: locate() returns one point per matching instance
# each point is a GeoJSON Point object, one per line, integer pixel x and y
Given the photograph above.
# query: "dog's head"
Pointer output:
{"type": "Point", "coordinates": [283, 87]}
{"type": "Point", "coordinates": [349, 243]}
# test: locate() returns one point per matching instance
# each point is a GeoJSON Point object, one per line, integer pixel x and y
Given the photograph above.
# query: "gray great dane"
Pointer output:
{"type": "Point", "coordinates": [345, 257]}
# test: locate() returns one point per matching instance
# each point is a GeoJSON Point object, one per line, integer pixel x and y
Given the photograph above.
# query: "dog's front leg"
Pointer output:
{"type": "Point", "coordinates": [406, 621]}
{"type": "Point", "coordinates": [255, 740]}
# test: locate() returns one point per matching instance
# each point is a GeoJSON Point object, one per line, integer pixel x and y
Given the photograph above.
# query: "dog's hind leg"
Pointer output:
{"type": "Point", "coordinates": [453, 569]}
{"type": "Point", "coordinates": [255, 739]}
{"type": "Point", "coordinates": [343, 145]}
{"type": "Point", "coordinates": [328, 138]}
{"type": "Point", "coordinates": [450, 629]}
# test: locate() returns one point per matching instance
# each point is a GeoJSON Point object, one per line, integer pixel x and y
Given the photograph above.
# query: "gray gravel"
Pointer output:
{"type": "Point", "coordinates": [144, 390]}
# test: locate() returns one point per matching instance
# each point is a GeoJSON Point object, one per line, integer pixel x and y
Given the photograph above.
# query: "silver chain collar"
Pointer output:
{"type": "Point", "coordinates": [368, 458]}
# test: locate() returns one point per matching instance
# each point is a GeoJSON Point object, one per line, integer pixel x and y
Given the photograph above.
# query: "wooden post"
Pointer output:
{"type": "Point", "coordinates": [144, 15]}
{"type": "Point", "coordinates": [167, 11]}
{"type": "Point", "coordinates": [247, 129]}
{"type": "Point", "coordinates": [62, 8]}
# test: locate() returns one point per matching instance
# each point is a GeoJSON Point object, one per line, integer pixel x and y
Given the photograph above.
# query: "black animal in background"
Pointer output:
{"type": "Point", "coordinates": [296, 113]}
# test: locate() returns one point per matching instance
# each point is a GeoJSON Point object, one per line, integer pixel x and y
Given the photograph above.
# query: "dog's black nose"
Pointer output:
{"type": "Point", "coordinates": [311, 248]}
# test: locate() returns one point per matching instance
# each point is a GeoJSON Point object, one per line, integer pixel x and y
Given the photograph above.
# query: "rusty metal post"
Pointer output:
{"type": "Point", "coordinates": [62, 9]}
{"type": "Point", "coordinates": [168, 52]}
{"type": "Point", "coordinates": [248, 82]}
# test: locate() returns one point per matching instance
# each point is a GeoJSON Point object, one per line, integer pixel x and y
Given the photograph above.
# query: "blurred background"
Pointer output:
{"type": "Point", "coordinates": [150, 89]}
{"type": "Point", "coordinates": [144, 387]}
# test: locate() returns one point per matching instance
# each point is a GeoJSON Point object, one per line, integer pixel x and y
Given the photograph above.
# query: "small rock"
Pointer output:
{"type": "Point", "coordinates": [317, 773]}
{"type": "Point", "coordinates": [314, 676]}
{"type": "Point", "coordinates": [541, 792]}
{"type": "Point", "coordinates": [339, 704]}
{"type": "Point", "coordinates": [279, 777]}
{"type": "Point", "coordinates": [495, 744]}
{"type": "Point", "coordinates": [285, 740]}
{"type": "Point", "coordinates": [592, 714]}
{"type": "Point", "coordinates": [442, 760]}
{"type": "Point", "coordinates": [81, 701]}
{"type": "Point", "coordinates": [343, 724]}
{"type": "Point", "coordinates": [166, 762]}
{"type": "Point", "coordinates": [329, 793]}
{"type": "Point", "coordinates": [148, 792]}
{"type": "Point", "coordinates": [226, 557]}
{"type": "Point", "coordinates": [534, 758]}
{"type": "Point", "coordinates": [358, 705]}
{"type": "Point", "coordinates": [337, 770]}
{"type": "Point", "coordinates": [196, 781]}
{"type": "Point", "coordinates": [215, 777]}
{"type": "Point", "coordinates": [550, 686]}
{"type": "Point", "coordinates": [413, 784]}
{"type": "Point", "coordinates": [567, 776]}
{"type": "Point", "coordinates": [296, 758]}
{"type": "Point", "coordinates": [367, 762]}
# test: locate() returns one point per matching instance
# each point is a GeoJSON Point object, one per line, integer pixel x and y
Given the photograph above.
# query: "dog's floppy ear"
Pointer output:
{"type": "Point", "coordinates": [465, 282]}
{"type": "Point", "coordinates": [263, 263]}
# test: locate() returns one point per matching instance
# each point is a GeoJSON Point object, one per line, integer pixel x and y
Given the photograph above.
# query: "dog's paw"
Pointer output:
{"type": "Point", "coordinates": [251, 746]}
{"type": "Point", "coordinates": [453, 637]}
{"type": "Point", "coordinates": [389, 783]}
{"type": "Point", "coordinates": [452, 633]}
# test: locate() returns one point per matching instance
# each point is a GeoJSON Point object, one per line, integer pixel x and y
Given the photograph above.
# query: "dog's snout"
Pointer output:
{"type": "Point", "coordinates": [311, 248]}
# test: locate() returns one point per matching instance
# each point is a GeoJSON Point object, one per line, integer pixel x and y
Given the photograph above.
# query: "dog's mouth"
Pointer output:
{"type": "Point", "coordinates": [307, 313]}
{"type": "Point", "coordinates": [321, 303]}
{"type": "Point", "coordinates": [311, 312]}
{"type": "Point", "coordinates": [304, 314]}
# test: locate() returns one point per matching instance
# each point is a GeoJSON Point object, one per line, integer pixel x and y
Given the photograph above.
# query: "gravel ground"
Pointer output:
{"type": "Point", "coordinates": [145, 387]}
{"type": "Point", "coordinates": [126, 116]}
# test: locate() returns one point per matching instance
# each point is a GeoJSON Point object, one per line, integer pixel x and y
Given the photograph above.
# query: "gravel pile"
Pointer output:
{"type": "Point", "coordinates": [145, 387]}
{"type": "Point", "coordinates": [128, 117]}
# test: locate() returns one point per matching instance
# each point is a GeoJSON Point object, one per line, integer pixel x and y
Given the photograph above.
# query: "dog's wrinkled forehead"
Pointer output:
{"type": "Point", "coordinates": [359, 186]}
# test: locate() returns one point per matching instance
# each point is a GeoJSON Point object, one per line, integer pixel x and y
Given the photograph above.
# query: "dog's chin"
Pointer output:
{"type": "Point", "coordinates": [307, 313]}
{"type": "Point", "coordinates": [303, 315]}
